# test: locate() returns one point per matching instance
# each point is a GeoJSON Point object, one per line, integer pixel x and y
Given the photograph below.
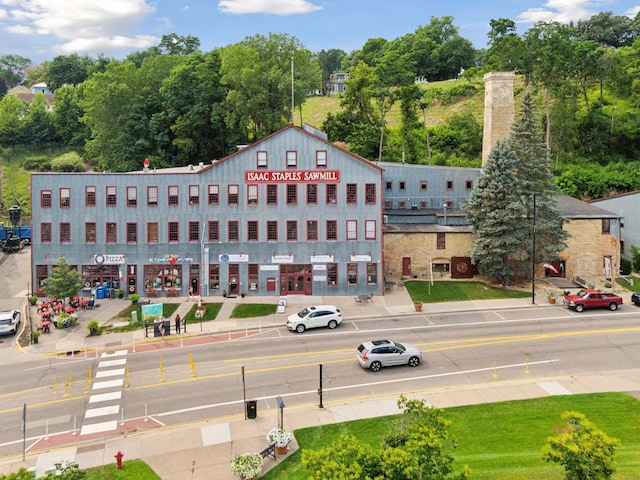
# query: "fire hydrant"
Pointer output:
{"type": "Point", "coordinates": [118, 457]}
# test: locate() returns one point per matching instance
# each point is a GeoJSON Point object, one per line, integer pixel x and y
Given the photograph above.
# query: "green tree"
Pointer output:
{"type": "Point", "coordinates": [584, 451]}
{"type": "Point", "coordinates": [257, 74]}
{"type": "Point", "coordinates": [330, 61]}
{"type": "Point", "coordinates": [14, 69]}
{"type": "Point", "coordinates": [67, 70]}
{"type": "Point", "coordinates": [12, 112]}
{"type": "Point", "coordinates": [418, 453]}
{"type": "Point", "coordinates": [174, 44]}
{"type": "Point", "coordinates": [38, 127]}
{"type": "Point", "coordinates": [67, 113]}
{"type": "Point", "coordinates": [505, 46]}
{"type": "Point", "coordinates": [498, 216]}
{"type": "Point", "coordinates": [64, 281]}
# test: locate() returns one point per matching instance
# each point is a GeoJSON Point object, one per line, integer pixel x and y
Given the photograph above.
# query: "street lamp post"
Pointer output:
{"type": "Point", "coordinates": [533, 253]}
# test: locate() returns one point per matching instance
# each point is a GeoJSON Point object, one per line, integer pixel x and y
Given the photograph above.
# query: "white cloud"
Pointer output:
{"type": "Point", "coordinates": [561, 11]}
{"type": "Point", "coordinates": [632, 12]}
{"type": "Point", "coordinates": [275, 7]}
{"type": "Point", "coordinates": [82, 25]}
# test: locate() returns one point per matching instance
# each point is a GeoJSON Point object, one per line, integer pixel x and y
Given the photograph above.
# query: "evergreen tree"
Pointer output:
{"type": "Point", "coordinates": [534, 176]}
{"type": "Point", "coordinates": [498, 216]}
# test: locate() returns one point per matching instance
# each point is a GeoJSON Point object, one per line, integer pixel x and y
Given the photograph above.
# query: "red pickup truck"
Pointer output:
{"type": "Point", "coordinates": [592, 299]}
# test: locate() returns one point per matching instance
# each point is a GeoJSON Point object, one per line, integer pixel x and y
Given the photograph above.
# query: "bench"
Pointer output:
{"type": "Point", "coordinates": [270, 451]}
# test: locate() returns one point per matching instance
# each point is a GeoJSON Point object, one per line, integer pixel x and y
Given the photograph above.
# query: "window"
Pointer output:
{"type": "Point", "coordinates": [332, 230]}
{"type": "Point", "coordinates": [272, 194]}
{"type": "Point", "coordinates": [112, 232]}
{"type": "Point", "coordinates": [65, 198]}
{"type": "Point", "coordinates": [312, 193]}
{"type": "Point", "coordinates": [233, 192]}
{"type": "Point", "coordinates": [252, 194]}
{"type": "Point", "coordinates": [469, 184]}
{"type": "Point", "coordinates": [388, 205]}
{"type": "Point", "coordinates": [606, 226]}
{"type": "Point", "coordinates": [449, 184]}
{"type": "Point", "coordinates": [389, 185]}
{"type": "Point", "coordinates": [272, 230]}
{"type": "Point", "coordinates": [253, 270]}
{"type": "Point", "coordinates": [441, 243]}
{"type": "Point", "coordinates": [233, 231]}
{"type": "Point", "coordinates": [152, 232]}
{"type": "Point", "coordinates": [424, 185]}
{"type": "Point", "coordinates": [292, 194]}
{"type": "Point", "coordinates": [292, 159]}
{"type": "Point", "coordinates": [90, 196]}
{"type": "Point", "coordinates": [65, 232]}
{"type": "Point", "coordinates": [252, 231]}
{"type": "Point", "coordinates": [152, 196]}
{"type": "Point", "coordinates": [111, 196]}
{"type": "Point", "coordinates": [292, 230]}
{"type": "Point", "coordinates": [132, 233]}
{"type": "Point", "coordinates": [372, 274]}
{"type": "Point", "coordinates": [424, 203]}
{"type": "Point", "coordinates": [370, 193]}
{"type": "Point", "coordinates": [42, 273]}
{"type": "Point", "coordinates": [402, 185]}
{"type": "Point", "coordinates": [352, 273]}
{"type": "Point", "coordinates": [214, 194]}
{"type": "Point", "coordinates": [312, 230]}
{"type": "Point", "coordinates": [370, 229]}
{"type": "Point", "coordinates": [194, 194]}
{"type": "Point", "coordinates": [132, 197]}
{"type": "Point", "coordinates": [332, 196]}
{"type": "Point", "coordinates": [45, 199]}
{"type": "Point", "coordinates": [214, 231]}
{"type": "Point", "coordinates": [194, 231]}
{"type": "Point", "coordinates": [90, 232]}
{"type": "Point", "coordinates": [352, 230]}
{"type": "Point", "coordinates": [173, 232]}
{"type": "Point", "coordinates": [321, 159]}
{"type": "Point", "coordinates": [45, 232]}
{"type": "Point", "coordinates": [332, 274]}
{"type": "Point", "coordinates": [261, 159]}
{"type": "Point", "coordinates": [402, 204]}
{"type": "Point", "coordinates": [352, 193]}
{"type": "Point", "coordinates": [172, 192]}
{"type": "Point", "coordinates": [214, 277]}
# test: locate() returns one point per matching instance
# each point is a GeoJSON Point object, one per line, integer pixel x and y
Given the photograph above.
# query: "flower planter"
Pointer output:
{"type": "Point", "coordinates": [551, 300]}
{"type": "Point", "coordinates": [282, 450]}
{"type": "Point", "coordinates": [418, 307]}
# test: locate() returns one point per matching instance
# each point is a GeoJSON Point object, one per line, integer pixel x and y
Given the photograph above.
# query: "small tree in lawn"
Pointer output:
{"type": "Point", "coordinates": [585, 452]}
{"type": "Point", "coordinates": [64, 281]}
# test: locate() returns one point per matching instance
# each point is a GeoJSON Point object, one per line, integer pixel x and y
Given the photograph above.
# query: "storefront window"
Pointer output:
{"type": "Point", "coordinates": [214, 277]}
{"type": "Point", "coordinates": [162, 277]}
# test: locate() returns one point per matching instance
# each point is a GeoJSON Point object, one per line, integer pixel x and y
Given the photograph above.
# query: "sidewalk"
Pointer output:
{"type": "Point", "coordinates": [205, 450]}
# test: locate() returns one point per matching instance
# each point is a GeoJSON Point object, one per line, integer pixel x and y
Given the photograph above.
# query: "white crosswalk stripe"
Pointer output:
{"type": "Point", "coordinates": [111, 370]}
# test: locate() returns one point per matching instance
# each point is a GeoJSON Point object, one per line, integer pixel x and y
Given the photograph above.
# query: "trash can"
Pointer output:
{"type": "Point", "coordinates": [252, 409]}
{"type": "Point", "coordinates": [100, 291]}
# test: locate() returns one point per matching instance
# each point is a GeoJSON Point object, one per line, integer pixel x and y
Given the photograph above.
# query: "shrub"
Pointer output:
{"type": "Point", "coordinates": [68, 162]}
{"type": "Point", "coordinates": [625, 266]}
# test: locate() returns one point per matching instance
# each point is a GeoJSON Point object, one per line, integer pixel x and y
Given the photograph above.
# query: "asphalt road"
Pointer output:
{"type": "Point", "coordinates": [205, 381]}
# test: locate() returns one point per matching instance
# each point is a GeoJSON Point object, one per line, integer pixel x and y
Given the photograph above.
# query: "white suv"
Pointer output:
{"type": "Point", "coordinates": [9, 320]}
{"type": "Point", "coordinates": [313, 317]}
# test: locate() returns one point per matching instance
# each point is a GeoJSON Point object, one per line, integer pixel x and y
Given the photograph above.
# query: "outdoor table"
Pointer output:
{"type": "Point", "coordinates": [46, 326]}
{"type": "Point", "coordinates": [69, 310]}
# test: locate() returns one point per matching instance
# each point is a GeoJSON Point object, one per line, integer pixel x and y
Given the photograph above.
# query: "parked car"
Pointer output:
{"type": "Point", "coordinates": [635, 298]}
{"type": "Point", "coordinates": [314, 317]}
{"type": "Point", "coordinates": [9, 321]}
{"type": "Point", "coordinates": [589, 298]}
{"type": "Point", "coordinates": [376, 354]}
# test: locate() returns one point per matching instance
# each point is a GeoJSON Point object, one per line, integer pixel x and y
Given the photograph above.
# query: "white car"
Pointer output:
{"type": "Point", "coordinates": [314, 317]}
{"type": "Point", "coordinates": [9, 321]}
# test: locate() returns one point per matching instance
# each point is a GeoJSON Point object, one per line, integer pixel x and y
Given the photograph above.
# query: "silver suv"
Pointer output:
{"type": "Point", "coordinates": [9, 321]}
{"type": "Point", "coordinates": [384, 353]}
{"type": "Point", "coordinates": [313, 317]}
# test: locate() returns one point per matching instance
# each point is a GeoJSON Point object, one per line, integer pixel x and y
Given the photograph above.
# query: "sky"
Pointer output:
{"type": "Point", "coordinates": [43, 29]}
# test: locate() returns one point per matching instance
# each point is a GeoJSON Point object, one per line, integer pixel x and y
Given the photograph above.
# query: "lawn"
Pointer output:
{"type": "Point", "coordinates": [500, 441]}
{"type": "Point", "coordinates": [423, 291]}
{"type": "Point", "coordinates": [131, 470]}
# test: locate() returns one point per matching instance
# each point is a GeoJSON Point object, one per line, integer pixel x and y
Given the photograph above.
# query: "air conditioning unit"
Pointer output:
{"type": "Point", "coordinates": [385, 219]}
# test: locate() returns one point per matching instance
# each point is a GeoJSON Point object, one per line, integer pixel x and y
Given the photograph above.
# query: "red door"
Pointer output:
{"type": "Point", "coordinates": [406, 266]}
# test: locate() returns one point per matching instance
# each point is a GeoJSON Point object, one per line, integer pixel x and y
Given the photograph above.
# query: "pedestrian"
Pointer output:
{"type": "Point", "coordinates": [177, 323]}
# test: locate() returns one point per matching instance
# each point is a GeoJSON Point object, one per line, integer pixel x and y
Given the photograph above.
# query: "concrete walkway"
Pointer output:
{"type": "Point", "coordinates": [205, 450]}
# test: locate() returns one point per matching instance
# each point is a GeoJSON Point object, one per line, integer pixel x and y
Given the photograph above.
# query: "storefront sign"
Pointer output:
{"type": "Point", "coordinates": [281, 258]}
{"type": "Point", "coordinates": [233, 257]}
{"type": "Point", "coordinates": [104, 259]}
{"type": "Point", "coordinates": [319, 268]}
{"type": "Point", "coordinates": [360, 258]}
{"type": "Point", "coordinates": [321, 258]}
{"type": "Point", "coordinates": [269, 268]}
{"type": "Point", "coordinates": [292, 176]}
{"type": "Point", "coordinates": [170, 260]}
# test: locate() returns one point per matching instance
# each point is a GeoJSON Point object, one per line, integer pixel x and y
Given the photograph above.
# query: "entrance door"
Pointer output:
{"type": "Point", "coordinates": [194, 280]}
{"type": "Point", "coordinates": [295, 279]}
{"type": "Point", "coordinates": [234, 272]}
{"type": "Point", "coordinates": [406, 266]}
